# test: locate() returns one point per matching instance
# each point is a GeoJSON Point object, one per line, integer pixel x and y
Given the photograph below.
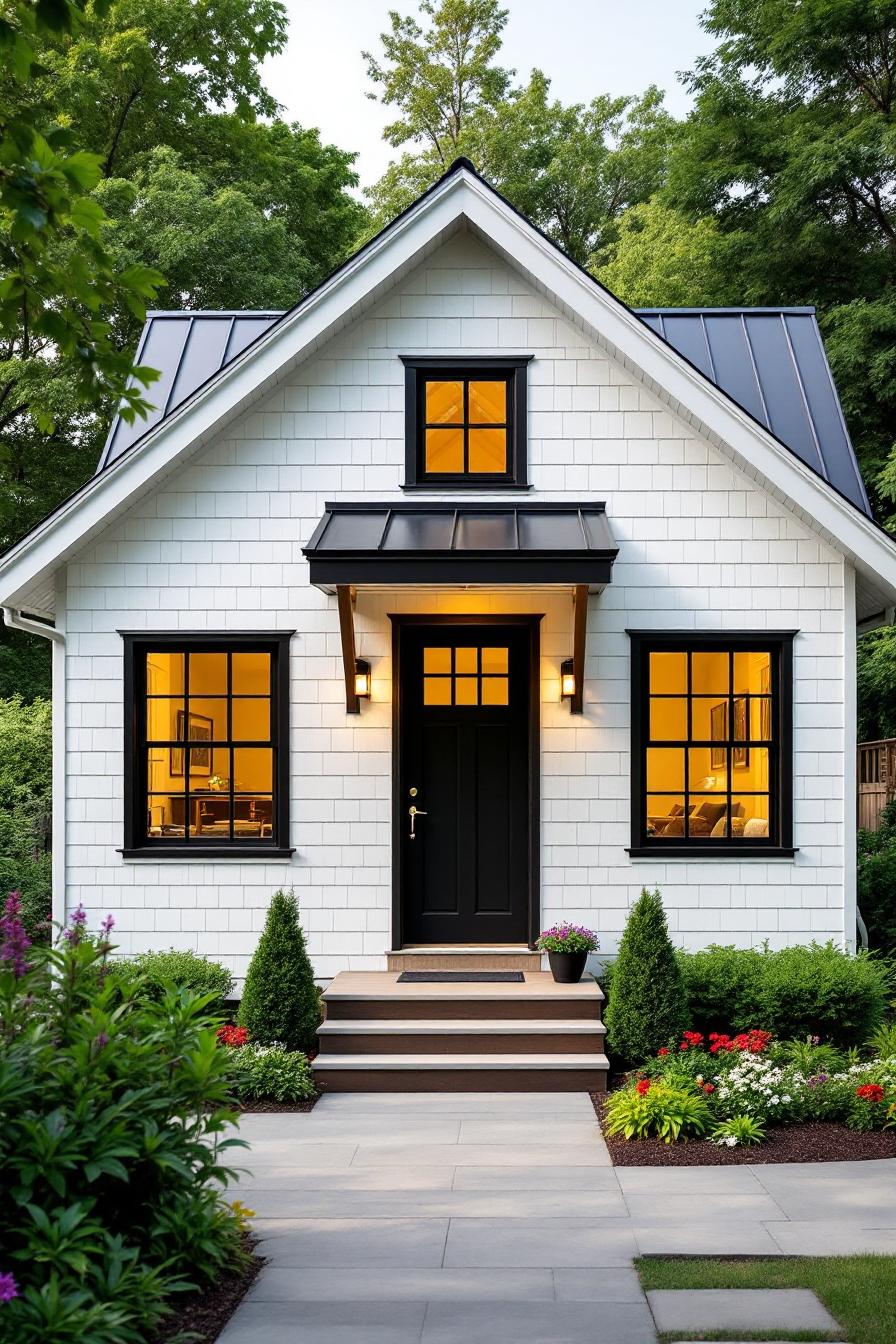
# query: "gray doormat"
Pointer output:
{"type": "Point", "coordinates": [461, 978]}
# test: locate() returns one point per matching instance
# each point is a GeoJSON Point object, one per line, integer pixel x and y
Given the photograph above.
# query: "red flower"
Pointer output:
{"type": "Point", "coordinates": [708, 1088]}
{"type": "Point", "coordinates": [643, 1087]}
{"type": "Point", "coordinates": [872, 1092]}
{"type": "Point", "coordinates": [693, 1037]}
{"type": "Point", "coordinates": [663, 1050]}
{"type": "Point", "coordinates": [233, 1036]}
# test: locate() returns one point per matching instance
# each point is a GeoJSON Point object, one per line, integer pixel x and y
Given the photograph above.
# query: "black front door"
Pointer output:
{"type": "Point", "coordinates": [465, 796]}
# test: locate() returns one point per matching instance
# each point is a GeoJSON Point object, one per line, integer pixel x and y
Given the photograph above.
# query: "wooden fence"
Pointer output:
{"type": "Point", "coordinates": [876, 776]}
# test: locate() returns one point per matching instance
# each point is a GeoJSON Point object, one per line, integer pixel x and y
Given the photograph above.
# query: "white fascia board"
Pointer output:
{"type": "Point", "coordinates": [631, 339]}
{"type": "Point", "coordinates": [259, 368]}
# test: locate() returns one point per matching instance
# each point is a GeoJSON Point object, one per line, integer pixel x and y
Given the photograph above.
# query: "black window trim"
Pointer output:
{"type": "Point", "coordinates": [461, 366]}
{"type": "Point", "coordinates": [780, 643]}
{"type": "Point", "coordinates": [136, 844]}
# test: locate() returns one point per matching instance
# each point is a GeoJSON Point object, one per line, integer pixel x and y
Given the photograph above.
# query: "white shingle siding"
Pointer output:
{"type": "Point", "coordinates": [217, 546]}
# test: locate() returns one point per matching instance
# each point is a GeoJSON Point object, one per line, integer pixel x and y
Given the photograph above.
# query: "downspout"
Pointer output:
{"type": "Point", "coordinates": [16, 621]}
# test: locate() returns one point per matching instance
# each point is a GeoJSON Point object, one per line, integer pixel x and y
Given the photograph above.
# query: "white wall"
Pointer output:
{"type": "Point", "coordinates": [218, 547]}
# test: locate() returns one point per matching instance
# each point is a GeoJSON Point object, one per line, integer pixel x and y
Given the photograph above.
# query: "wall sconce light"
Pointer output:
{"type": "Point", "coordinates": [567, 679]}
{"type": "Point", "coordinates": [362, 679]}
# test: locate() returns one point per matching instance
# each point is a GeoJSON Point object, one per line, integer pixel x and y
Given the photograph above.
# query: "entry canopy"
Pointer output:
{"type": "Point", "coordinates": [397, 544]}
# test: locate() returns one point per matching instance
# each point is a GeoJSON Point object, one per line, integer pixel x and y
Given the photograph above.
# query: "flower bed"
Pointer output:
{"type": "Point", "coordinates": [267, 1077]}
{"type": "Point", "coordinates": [720, 1095]}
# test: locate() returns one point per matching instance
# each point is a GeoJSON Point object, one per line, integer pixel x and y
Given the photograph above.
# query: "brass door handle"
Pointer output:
{"type": "Point", "coordinates": [414, 813]}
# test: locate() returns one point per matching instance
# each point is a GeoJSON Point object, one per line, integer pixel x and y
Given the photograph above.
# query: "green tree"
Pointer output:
{"type": "Point", "coordinates": [647, 1002]}
{"type": "Point", "coordinates": [660, 258]}
{"type": "Point", "coordinates": [280, 1000]}
{"type": "Point", "coordinates": [877, 684]}
{"type": "Point", "coordinates": [25, 809]}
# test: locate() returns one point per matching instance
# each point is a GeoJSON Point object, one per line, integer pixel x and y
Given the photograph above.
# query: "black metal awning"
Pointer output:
{"type": "Point", "coordinates": [443, 543]}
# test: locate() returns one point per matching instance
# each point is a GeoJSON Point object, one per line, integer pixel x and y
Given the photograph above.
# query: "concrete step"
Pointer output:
{"type": "Point", "coordinates": [377, 995]}
{"type": "Point", "coordinates": [461, 1036]}
{"type": "Point", "coordinates": [461, 1072]}
{"type": "Point", "coordinates": [473, 958]}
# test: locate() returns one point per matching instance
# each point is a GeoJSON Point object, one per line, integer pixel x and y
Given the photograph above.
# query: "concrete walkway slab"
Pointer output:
{"type": "Point", "coordinates": [452, 1218]}
{"type": "Point", "coordinates": [739, 1309]}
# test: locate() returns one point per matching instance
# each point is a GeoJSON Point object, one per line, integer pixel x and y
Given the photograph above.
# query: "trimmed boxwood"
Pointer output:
{"type": "Point", "coordinates": [281, 1003]}
{"type": "Point", "coordinates": [647, 1004]}
{"type": "Point", "coordinates": [152, 972]}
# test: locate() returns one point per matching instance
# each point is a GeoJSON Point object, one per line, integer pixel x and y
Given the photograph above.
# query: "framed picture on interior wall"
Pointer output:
{"type": "Point", "coordinates": [765, 705]}
{"type": "Point", "coordinates": [718, 730]}
{"type": "Point", "coordinates": [740, 755]}
{"type": "Point", "coordinates": [201, 731]}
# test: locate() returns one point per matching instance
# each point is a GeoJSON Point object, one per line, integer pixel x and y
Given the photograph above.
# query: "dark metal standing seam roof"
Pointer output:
{"type": "Point", "coordinates": [398, 543]}
{"type": "Point", "coordinates": [771, 361]}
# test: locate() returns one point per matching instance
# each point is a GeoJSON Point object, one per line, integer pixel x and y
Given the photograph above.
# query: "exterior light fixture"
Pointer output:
{"type": "Point", "coordinates": [567, 679]}
{"type": "Point", "coordinates": [362, 679]}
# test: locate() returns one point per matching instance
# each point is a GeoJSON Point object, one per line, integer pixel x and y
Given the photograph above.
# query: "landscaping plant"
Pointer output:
{"type": "Point", "coordinates": [661, 1110]}
{"type": "Point", "coordinates": [113, 1111]}
{"type": "Point", "coordinates": [280, 1003]}
{"type": "Point", "coordinates": [738, 1129]}
{"type": "Point", "coordinates": [565, 937]}
{"type": "Point", "coordinates": [151, 975]}
{"type": "Point", "coordinates": [647, 1004]}
{"type": "Point", "coordinates": [271, 1073]}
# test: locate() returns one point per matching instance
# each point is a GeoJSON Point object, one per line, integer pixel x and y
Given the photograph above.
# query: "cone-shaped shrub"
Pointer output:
{"type": "Point", "coordinates": [280, 999]}
{"type": "Point", "coordinates": [647, 1000]}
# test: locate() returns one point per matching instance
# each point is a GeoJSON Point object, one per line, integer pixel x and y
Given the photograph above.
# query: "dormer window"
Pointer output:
{"type": "Point", "coordinates": [466, 423]}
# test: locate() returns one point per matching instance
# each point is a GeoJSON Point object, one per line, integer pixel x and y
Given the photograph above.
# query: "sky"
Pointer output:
{"type": "Point", "coordinates": [586, 47]}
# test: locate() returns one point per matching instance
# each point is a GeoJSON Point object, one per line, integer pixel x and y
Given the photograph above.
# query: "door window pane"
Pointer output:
{"type": "Point", "coordinates": [466, 691]}
{"type": "Point", "coordinates": [437, 660]}
{"type": "Point", "coordinates": [494, 660]}
{"type": "Point", "coordinates": [466, 660]}
{"type": "Point", "coordinates": [437, 690]}
{"type": "Point", "coordinates": [495, 691]}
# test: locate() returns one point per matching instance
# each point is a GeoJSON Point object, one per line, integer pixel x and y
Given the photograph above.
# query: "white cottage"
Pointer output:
{"type": "Point", "coordinates": [462, 599]}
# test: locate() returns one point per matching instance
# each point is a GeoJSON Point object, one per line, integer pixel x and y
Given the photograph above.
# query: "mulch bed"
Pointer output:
{"type": "Point", "coordinates": [821, 1141]}
{"type": "Point", "coordinates": [203, 1315]}
{"type": "Point", "coordinates": [266, 1107]}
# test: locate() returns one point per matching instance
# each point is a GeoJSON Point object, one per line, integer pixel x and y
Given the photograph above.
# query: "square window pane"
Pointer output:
{"type": "Point", "coordinates": [494, 660]}
{"type": "Point", "coordinates": [761, 717]}
{"type": "Point", "coordinates": [164, 720]}
{"type": "Point", "coordinates": [488, 402]}
{"type": "Point", "coordinates": [437, 690]}
{"type": "Point", "coordinates": [751, 816]}
{"type": "Point", "coordinates": [253, 817]}
{"type": "Point", "coordinates": [708, 769]}
{"type": "Point", "coordinates": [668, 673]}
{"type": "Point", "coordinates": [160, 776]}
{"type": "Point", "coordinates": [444, 450]}
{"type": "Point", "coordinates": [210, 815]}
{"type": "Point", "coordinates": [164, 673]}
{"type": "Point", "coordinates": [209, 767]}
{"type": "Point", "coordinates": [466, 660]}
{"type": "Point", "coordinates": [668, 720]}
{"type": "Point", "coordinates": [444, 402]}
{"type": "Point", "coordinates": [253, 770]}
{"type": "Point", "coordinates": [707, 817]}
{"type": "Point", "coordinates": [749, 768]}
{"type": "Point", "coordinates": [665, 770]}
{"type": "Point", "coordinates": [488, 450]}
{"type": "Point", "coordinates": [208, 719]}
{"type": "Point", "coordinates": [251, 673]}
{"type": "Point", "coordinates": [495, 691]}
{"type": "Point", "coordinates": [165, 816]}
{"type": "Point", "coordinates": [251, 720]}
{"type": "Point", "coordinates": [436, 660]}
{"type": "Point", "coordinates": [665, 814]}
{"type": "Point", "coordinates": [709, 719]}
{"type": "Point", "coordinates": [753, 673]}
{"type": "Point", "coordinates": [466, 691]}
{"type": "Point", "coordinates": [208, 673]}
{"type": "Point", "coordinates": [709, 673]}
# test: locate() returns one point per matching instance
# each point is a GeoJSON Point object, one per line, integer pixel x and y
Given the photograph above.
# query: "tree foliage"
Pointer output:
{"type": "Point", "coordinates": [280, 1003]}
{"type": "Point", "coordinates": [647, 1003]}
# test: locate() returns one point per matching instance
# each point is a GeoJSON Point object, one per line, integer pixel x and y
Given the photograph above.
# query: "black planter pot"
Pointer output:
{"type": "Point", "coordinates": [567, 968]}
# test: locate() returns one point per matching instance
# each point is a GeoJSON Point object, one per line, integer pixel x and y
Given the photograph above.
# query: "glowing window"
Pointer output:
{"type": "Point", "coordinates": [466, 676]}
{"type": "Point", "coordinates": [466, 423]}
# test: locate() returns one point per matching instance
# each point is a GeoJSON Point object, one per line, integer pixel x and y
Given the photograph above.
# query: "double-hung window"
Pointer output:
{"type": "Point", "coordinates": [711, 743]}
{"type": "Point", "coordinates": [206, 731]}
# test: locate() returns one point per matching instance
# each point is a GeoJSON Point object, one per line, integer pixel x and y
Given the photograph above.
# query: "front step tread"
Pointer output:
{"type": "Point", "coordinates": [460, 1062]}
{"type": "Point", "coordinates": [504, 1026]}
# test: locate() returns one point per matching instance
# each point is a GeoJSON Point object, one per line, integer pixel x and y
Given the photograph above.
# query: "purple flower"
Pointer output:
{"type": "Point", "coordinates": [78, 919]}
{"type": "Point", "coordinates": [100, 1041]}
{"type": "Point", "coordinates": [8, 1288]}
{"type": "Point", "coordinates": [107, 925]}
{"type": "Point", "coordinates": [14, 942]}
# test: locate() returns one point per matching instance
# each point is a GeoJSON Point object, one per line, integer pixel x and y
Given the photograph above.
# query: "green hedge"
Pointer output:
{"type": "Point", "coordinates": [153, 972]}
{"type": "Point", "coordinates": [794, 992]}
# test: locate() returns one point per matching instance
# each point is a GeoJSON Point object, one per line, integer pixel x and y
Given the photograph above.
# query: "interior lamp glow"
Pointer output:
{"type": "Point", "coordinates": [362, 679]}
{"type": "Point", "coordinates": [567, 679]}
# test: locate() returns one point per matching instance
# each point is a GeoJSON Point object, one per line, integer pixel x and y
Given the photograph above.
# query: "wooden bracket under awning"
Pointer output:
{"type": "Point", "coordinates": [580, 627]}
{"type": "Point", "coordinates": [345, 598]}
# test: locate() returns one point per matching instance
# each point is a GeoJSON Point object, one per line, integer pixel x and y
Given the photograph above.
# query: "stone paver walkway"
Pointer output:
{"type": "Point", "coordinates": [441, 1219]}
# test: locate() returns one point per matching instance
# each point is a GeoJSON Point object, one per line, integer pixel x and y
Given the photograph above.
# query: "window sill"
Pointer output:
{"type": "Point", "coordinates": [155, 854]}
{"type": "Point", "coordinates": [450, 487]}
{"type": "Point", "coordinates": [710, 852]}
